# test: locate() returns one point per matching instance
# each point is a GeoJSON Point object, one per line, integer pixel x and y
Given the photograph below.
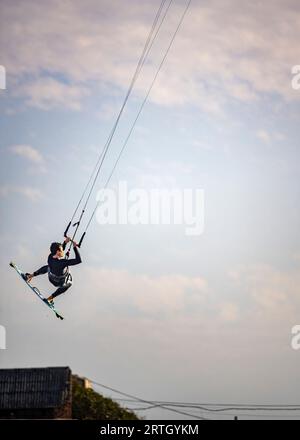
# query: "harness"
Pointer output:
{"type": "Point", "coordinates": [60, 279]}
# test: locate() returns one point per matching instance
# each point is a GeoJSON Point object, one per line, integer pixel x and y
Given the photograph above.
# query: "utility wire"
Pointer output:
{"type": "Point", "coordinates": [227, 406]}
{"type": "Point", "coordinates": [145, 401]}
{"type": "Point", "coordinates": [169, 406]}
{"type": "Point", "coordinates": [224, 415]}
{"type": "Point", "coordinates": [223, 412]}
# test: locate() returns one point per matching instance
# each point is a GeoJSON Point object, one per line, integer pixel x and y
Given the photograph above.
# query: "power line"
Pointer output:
{"type": "Point", "coordinates": [204, 407]}
{"type": "Point", "coordinates": [227, 410]}
{"type": "Point", "coordinates": [227, 406]}
{"type": "Point", "coordinates": [145, 401]}
{"type": "Point", "coordinates": [222, 414]}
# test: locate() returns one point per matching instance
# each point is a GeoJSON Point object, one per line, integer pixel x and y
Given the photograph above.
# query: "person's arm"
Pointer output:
{"type": "Point", "coordinates": [41, 271]}
{"type": "Point", "coordinates": [77, 259]}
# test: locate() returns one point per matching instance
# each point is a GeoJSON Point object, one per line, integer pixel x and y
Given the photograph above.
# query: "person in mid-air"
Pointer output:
{"type": "Point", "coordinates": [57, 268]}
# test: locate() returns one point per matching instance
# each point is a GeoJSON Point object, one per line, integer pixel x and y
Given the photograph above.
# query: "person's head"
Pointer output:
{"type": "Point", "coordinates": [56, 250]}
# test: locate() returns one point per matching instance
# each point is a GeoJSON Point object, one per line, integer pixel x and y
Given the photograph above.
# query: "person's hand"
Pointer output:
{"type": "Point", "coordinates": [74, 244]}
{"type": "Point", "coordinates": [67, 239]}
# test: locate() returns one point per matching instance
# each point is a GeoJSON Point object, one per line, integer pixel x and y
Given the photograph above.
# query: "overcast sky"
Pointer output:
{"type": "Point", "coordinates": [154, 312]}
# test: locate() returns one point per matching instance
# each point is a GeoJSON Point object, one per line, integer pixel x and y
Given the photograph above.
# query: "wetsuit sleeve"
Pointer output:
{"type": "Point", "coordinates": [41, 271]}
{"type": "Point", "coordinates": [76, 260]}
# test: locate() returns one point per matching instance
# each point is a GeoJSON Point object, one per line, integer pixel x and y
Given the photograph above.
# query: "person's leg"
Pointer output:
{"type": "Point", "coordinates": [61, 289]}
{"type": "Point", "coordinates": [28, 276]}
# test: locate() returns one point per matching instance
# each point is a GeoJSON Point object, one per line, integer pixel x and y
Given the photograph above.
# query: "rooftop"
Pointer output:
{"type": "Point", "coordinates": [22, 388]}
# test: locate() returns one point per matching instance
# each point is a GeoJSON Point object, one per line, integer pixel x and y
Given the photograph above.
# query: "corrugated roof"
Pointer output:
{"type": "Point", "coordinates": [25, 388]}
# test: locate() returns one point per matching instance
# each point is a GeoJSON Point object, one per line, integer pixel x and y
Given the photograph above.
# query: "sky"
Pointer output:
{"type": "Point", "coordinates": [154, 312]}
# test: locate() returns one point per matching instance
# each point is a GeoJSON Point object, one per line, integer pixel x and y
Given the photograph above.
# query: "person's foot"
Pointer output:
{"type": "Point", "coordinates": [27, 277]}
{"type": "Point", "coordinates": [50, 301]}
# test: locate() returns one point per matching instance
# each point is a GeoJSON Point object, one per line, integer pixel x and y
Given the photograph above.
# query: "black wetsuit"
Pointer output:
{"type": "Point", "coordinates": [58, 272]}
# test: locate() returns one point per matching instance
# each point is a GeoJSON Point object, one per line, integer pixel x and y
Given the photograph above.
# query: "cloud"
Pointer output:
{"type": "Point", "coordinates": [263, 295]}
{"type": "Point", "coordinates": [269, 138]}
{"type": "Point", "coordinates": [224, 51]}
{"type": "Point", "coordinates": [153, 297]}
{"type": "Point", "coordinates": [33, 194]}
{"type": "Point", "coordinates": [29, 153]}
{"type": "Point", "coordinates": [271, 294]}
{"type": "Point", "coordinates": [48, 93]}
{"type": "Point", "coordinates": [32, 155]}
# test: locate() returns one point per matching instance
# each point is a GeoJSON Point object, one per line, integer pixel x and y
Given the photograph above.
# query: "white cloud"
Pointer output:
{"type": "Point", "coordinates": [271, 294]}
{"type": "Point", "coordinates": [32, 155]}
{"type": "Point", "coordinates": [48, 93]}
{"type": "Point", "coordinates": [268, 138]}
{"type": "Point", "coordinates": [224, 50]}
{"type": "Point", "coordinates": [151, 296]}
{"type": "Point", "coordinates": [264, 295]}
{"type": "Point", "coordinates": [33, 194]}
{"type": "Point", "coordinates": [29, 153]}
